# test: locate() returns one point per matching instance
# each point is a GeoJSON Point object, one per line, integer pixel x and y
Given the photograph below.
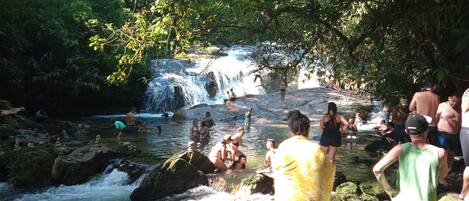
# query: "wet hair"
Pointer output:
{"type": "Point", "coordinates": [454, 93]}
{"type": "Point", "coordinates": [233, 166]}
{"type": "Point", "coordinates": [298, 123]}
{"type": "Point", "coordinates": [430, 82]}
{"type": "Point", "coordinates": [207, 114]}
{"type": "Point", "coordinates": [272, 140]}
{"type": "Point", "coordinates": [194, 122]}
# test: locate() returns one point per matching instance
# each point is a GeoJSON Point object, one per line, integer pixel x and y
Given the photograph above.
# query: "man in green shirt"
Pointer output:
{"type": "Point", "coordinates": [421, 165]}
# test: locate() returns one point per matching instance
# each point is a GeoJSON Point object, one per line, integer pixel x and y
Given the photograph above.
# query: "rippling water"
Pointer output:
{"type": "Point", "coordinates": [352, 161]}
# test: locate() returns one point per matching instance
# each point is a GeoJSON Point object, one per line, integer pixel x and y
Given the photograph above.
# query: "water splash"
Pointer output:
{"type": "Point", "coordinates": [106, 187]}
{"type": "Point", "coordinates": [179, 83]}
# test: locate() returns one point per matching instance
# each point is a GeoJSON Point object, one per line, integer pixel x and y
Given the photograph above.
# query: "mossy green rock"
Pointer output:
{"type": "Point", "coordinates": [372, 188]}
{"type": "Point", "coordinates": [78, 166]}
{"type": "Point", "coordinates": [258, 183]}
{"type": "Point", "coordinates": [366, 197]}
{"type": "Point", "coordinates": [28, 167]}
{"type": "Point", "coordinates": [347, 191]}
{"type": "Point", "coordinates": [450, 197]}
{"type": "Point", "coordinates": [177, 174]}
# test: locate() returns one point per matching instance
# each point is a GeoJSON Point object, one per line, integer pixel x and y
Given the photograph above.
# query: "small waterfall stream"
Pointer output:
{"type": "Point", "coordinates": [180, 83]}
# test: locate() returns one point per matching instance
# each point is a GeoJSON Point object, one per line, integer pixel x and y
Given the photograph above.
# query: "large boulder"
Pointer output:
{"type": "Point", "coordinates": [133, 170]}
{"type": "Point", "coordinates": [347, 191]}
{"type": "Point", "coordinates": [177, 174]}
{"type": "Point", "coordinates": [28, 167]}
{"type": "Point", "coordinates": [257, 184]}
{"type": "Point", "coordinates": [78, 166]}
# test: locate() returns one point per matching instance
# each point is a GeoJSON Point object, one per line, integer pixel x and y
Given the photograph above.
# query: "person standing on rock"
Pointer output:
{"type": "Point", "coordinates": [283, 89]}
{"type": "Point", "coordinates": [194, 132]}
{"type": "Point", "coordinates": [449, 125]}
{"type": "Point", "coordinates": [464, 137]}
{"type": "Point", "coordinates": [426, 103]}
{"type": "Point", "coordinates": [233, 96]}
{"type": "Point", "coordinates": [301, 170]}
{"type": "Point", "coordinates": [219, 153]}
{"type": "Point", "coordinates": [399, 116]}
{"type": "Point", "coordinates": [333, 125]}
{"type": "Point", "coordinates": [131, 119]}
{"type": "Point", "coordinates": [421, 165]}
{"type": "Point", "coordinates": [247, 118]}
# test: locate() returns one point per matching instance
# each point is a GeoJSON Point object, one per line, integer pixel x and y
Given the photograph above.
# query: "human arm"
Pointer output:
{"type": "Point", "coordinates": [442, 158]}
{"type": "Point", "coordinates": [465, 101]}
{"type": "Point", "coordinates": [344, 123]}
{"type": "Point", "coordinates": [378, 170]}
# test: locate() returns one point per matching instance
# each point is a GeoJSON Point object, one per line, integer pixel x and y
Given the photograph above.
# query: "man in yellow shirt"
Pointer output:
{"type": "Point", "coordinates": [302, 171]}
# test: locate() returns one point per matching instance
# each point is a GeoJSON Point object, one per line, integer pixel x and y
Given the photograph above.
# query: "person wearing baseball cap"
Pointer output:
{"type": "Point", "coordinates": [421, 165]}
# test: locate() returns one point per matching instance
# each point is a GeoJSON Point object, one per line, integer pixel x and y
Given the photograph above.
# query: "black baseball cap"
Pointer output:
{"type": "Point", "coordinates": [417, 124]}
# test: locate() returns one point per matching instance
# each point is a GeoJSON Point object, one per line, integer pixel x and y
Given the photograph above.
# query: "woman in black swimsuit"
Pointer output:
{"type": "Point", "coordinates": [332, 125]}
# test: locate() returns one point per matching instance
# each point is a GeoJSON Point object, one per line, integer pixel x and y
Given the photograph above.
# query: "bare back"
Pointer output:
{"type": "Point", "coordinates": [425, 103]}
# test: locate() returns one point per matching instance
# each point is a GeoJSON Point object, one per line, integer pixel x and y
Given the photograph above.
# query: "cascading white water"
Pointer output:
{"type": "Point", "coordinates": [180, 83]}
{"type": "Point", "coordinates": [110, 187]}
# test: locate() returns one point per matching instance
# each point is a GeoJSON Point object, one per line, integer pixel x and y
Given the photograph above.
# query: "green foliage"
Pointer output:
{"type": "Point", "coordinates": [45, 60]}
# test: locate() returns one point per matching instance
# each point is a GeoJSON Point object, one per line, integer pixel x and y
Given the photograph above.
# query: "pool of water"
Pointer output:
{"type": "Point", "coordinates": [353, 162]}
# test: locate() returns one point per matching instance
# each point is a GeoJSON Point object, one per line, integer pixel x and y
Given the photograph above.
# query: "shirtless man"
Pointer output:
{"type": "Point", "coordinates": [270, 145]}
{"type": "Point", "coordinates": [219, 153]}
{"type": "Point", "coordinates": [449, 124]}
{"type": "Point", "coordinates": [130, 118]}
{"type": "Point", "coordinates": [238, 137]}
{"type": "Point", "coordinates": [426, 103]}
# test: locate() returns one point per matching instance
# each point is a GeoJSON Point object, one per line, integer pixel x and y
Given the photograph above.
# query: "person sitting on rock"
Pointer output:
{"type": "Point", "coordinates": [239, 164]}
{"type": "Point", "coordinates": [269, 156]}
{"type": "Point", "coordinates": [301, 170]}
{"type": "Point", "coordinates": [226, 97]}
{"type": "Point", "coordinates": [421, 165]}
{"type": "Point", "coordinates": [208, 120]}
{"type": "Point", "coordinates": [219, 153]}
{"type": "Point", "coordinates": [233, 96]}
{"type": "Point", "coordinates": [204, 132]}
{"type": "Point", "coordinates": [238, 137]}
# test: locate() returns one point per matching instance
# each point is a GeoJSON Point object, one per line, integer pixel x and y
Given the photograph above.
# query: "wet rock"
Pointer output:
{"type": "Point", "coordinates": [28, 136]}
{"type": "Point", "coordinates": [377, 146]}
{"type": "Point", "coordinates": [4, 104]}
{"type": "Point", "coordinates": [133, 170]}
{"type": "Point", "coordinates": [373, 188]}
{"type": "Point", "coordinates": [180, 172]}
{"type": "Point", "coordinates": [78, 166]}
{"type": "Point", "coordinates": [450, 197]}
{"type": "Point", "coordinates": [256, 184]}
{"type": "Point", "coordinates": [366, 197]}
{"type": "Point", "coordinates": [28, 167]}
{"type": "Point", "coordinates": [347, 191]}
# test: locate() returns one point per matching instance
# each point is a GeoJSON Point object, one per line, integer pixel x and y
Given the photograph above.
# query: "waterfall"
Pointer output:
{"type": "Point", "coordinates": [180, 83]}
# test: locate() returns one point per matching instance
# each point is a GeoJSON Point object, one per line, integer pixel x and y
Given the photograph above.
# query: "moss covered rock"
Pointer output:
{"type": "Point", "coordinates": [28, 167]}
{"type": "Point", "coordinates": [347, 191]}
{"type": "Point", "coordinates": [366, 197]}
{"type": "Point", "coordinates": [177, 174]}
{"type": "Point", "coordinates": [258, 183]}
{"type": "Point", "coordinates": [373, 188]}
{"type": "Point", "coordinates": [78, 166]}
